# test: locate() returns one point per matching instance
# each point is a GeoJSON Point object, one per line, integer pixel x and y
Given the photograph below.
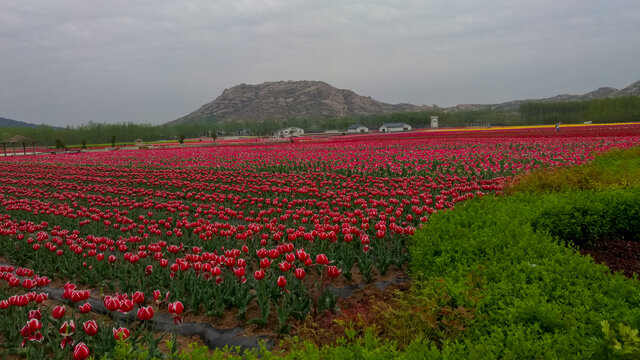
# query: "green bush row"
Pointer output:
{"type": "Point", "coordinates": [540, 299]}
{"type": "Point", "coordinates": [584, 218]}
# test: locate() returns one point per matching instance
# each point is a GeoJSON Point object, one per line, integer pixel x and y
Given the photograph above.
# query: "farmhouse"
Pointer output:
{"type": "Point", "coordinates": [289, 132]}
{"type": "Point", "coordinates": [357, 128]}
{"type": "Point", "coordinates": [243, 132]}
{"type": "Point", "coordinates": [394, 127]}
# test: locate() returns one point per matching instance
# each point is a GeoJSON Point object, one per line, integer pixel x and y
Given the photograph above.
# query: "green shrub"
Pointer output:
{"type": "Point", "coordinates": [540, 299]}
{"type": "Point", "coordinates": [588, 217]}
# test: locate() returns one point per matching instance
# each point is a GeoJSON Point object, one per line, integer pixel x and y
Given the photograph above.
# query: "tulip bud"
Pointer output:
{"type": "Point", "coordinates": [321, 259]}
{"type": "Point", "coordinates": [58, 312]}
{"type": "Point", "coordinates": [300, 273]}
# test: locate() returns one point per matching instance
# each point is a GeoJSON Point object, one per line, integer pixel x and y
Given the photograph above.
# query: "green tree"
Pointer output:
{"type": "Point", "coordinates": [59, 143]}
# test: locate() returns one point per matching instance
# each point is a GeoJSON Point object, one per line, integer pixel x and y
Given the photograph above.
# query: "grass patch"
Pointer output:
{"type": "Point", "coordinates": [616, 169]}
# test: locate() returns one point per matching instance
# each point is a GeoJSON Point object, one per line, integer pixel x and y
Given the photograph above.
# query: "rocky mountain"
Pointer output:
{"type": "Point", "coordinates": [600, 93]}
{"type": "Point", "coordinates": [283, 100]}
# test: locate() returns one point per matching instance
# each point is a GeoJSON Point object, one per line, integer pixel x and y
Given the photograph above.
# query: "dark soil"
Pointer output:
{"type": "Point", "coordinates": [618, 255]}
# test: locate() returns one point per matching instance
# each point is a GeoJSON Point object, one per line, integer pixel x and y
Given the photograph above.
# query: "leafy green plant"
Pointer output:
{"type": "Point", "coordinates": [537, 295]}
{"type": "Point", "coordinates": [621, 344]}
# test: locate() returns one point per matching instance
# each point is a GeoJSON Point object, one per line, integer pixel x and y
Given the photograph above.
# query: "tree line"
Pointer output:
{"type": "Point", "coordinates": [621, 109]}
{"type": "Point", "coordinates": [112, 134]}
{"type": "Point", "coordinates": [99, 133]}
{"type": "Point", "coordinates": [610, 110]}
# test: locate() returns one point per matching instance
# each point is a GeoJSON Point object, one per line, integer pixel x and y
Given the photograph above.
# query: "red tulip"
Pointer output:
{"type": "Point", "coordinates": [138, 298]}
{"type": "Point", "coordinates": [29, 283]}
{"type": "Point", "coordinates": [176, 308]}
{"type": "Point", "coordinates": [120, 333]}
{"type": "Point", "coordinates": [321, 259]}
{"type": "Point", "coordinates": [290, 257]}
{"type": "Point", "coordinates": [66, 340]}
{"type": "Point", "coordinates": [67, 328]}
{"type": "Point", "coordinates": [111, 303]}
{"type": "Point", "coordinates": [262, 253]}
{"type": "Point", "coordinates": [41, 297]}
{"type": "Point", "coordinates": [156, 297]}
{"type": "Point", "coordinates": [34, 325]}
{"type": "Point", "coordinates": [284, 266]}
{"type": "Point", "coordinates": [90, 327]}
{"type": "Point", "coordinates": [282, 281]}
{"type": "Point", "coordinates": [145, 313]}
{"type": "Point", "coordinates": [333, 271]}
{"type": "Point", "coordinates": [58, 312]}
{"type": "Point", "coordinates": [259, 274]}
{"type": "Point", "coordinates": [126, 305]}
{"type": "Point", "coordinates": [85, 308]}
{"type": "Point", "coordinates": [265, 262]}
{"type": "Point", "coordinates": [35, 314]}
{"type": "Point", "coordinates": [300, 273]}
{"type": "Point", "coordinates": [81, 352]}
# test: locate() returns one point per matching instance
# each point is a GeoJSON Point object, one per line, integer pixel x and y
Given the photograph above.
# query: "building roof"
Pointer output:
{"type": "Point", "coordinates": [355, 126]}
{"type": "Point", "coordinates": [394, 125]}
{"type": "Point", "coordinates": [18, 139]}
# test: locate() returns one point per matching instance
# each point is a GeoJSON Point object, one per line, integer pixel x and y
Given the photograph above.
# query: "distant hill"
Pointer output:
{"type": "Point", "coordinates": [283, 100]}
{"type": "Point", "coordinates": [15, 123]}
{"type": "Point", "coordinates": [600, 93]}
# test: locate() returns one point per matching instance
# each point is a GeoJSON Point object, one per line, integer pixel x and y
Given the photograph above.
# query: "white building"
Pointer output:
{"type": "Point", "coordinates": [357, 128]}
{"type": "Point", "coordinates": [394, 127]}
{"type": "Point", "coordinates": [291, 131]}
{"type": "Point", "coordinates": [434, 122]}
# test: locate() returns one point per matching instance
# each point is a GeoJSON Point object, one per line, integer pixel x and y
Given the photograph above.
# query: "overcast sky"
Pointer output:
{"type": "Point", "coordinates": [65, 62]}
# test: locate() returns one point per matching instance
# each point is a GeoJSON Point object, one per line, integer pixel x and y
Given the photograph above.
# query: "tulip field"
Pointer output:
{"type": "Point", "coordinates": [206, 230]}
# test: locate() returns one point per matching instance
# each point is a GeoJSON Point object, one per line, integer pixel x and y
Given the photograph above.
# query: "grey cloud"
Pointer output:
{"type": "Point", "coordinates": [68, 62]}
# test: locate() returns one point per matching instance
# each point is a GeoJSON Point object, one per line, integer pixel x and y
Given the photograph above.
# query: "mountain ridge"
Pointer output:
{"type": "Point", "coordinates": [282, 100]}
{"type": "Point", "coordinates": [4, 122]}
{"type": "Point", "coordinates": [600, 93]}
